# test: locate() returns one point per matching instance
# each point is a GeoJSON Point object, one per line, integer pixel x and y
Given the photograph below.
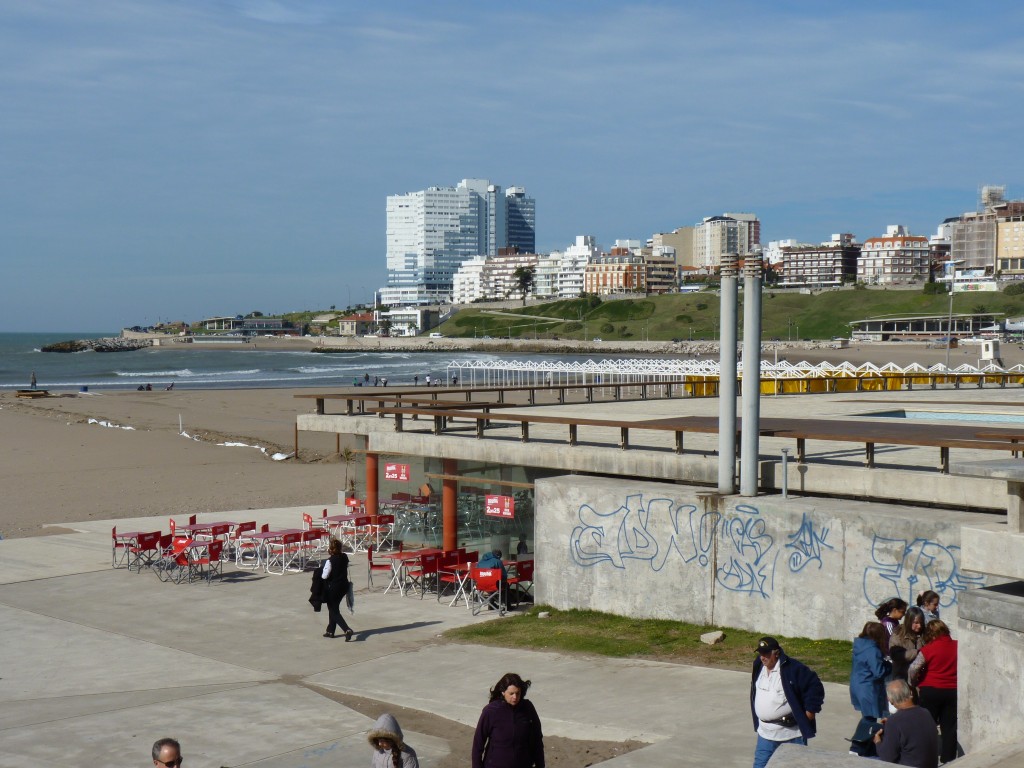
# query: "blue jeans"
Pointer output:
{"type": "Point", "coordinates": [766, 748]}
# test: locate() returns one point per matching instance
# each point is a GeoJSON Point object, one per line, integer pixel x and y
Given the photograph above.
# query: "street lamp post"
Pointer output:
{"type": "Point", "coordinates": [951, 277]}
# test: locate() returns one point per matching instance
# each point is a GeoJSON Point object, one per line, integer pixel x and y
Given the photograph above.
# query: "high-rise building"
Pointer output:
{"type": "Point", "coordinates": [718, 235]}
{"type": "Point", "coordinates": [522, 220]}
{"type": "Point", "coordinates": [828, 264]}
{"type": "Point", "coordinates": [430, 233]}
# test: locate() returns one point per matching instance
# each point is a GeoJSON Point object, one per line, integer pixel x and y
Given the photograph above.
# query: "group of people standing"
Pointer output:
{"type": "Point", "coordinates": [904, 684]}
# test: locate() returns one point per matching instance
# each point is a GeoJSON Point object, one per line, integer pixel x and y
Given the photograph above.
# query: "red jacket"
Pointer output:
{"type": "Point", "coordinates": [940, 664]}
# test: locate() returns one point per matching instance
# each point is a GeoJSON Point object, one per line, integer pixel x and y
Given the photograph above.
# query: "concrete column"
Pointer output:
{"type": "Point", "coordinates": [751, 374]}
{"type": "Point", "coordinates": [1014, 506]}
{"type": "Point", "coordinates": [372, 483]}
{"type": "Point", "coordinates": [449, 505]}
{"type": "Point", "coordinates": [727, 378]}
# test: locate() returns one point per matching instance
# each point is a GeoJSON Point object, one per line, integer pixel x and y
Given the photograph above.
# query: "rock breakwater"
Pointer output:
{"type": "Point", "coordinates": [110, 344]}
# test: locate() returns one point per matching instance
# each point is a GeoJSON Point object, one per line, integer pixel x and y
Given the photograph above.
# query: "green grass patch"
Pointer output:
{"type": "Point", "coordinates": [604, 634]}
{"type": "Point", "coordinates": [785, 315]}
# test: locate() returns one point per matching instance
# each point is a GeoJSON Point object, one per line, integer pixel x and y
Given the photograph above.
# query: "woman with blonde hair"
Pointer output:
{"type": "Point", "coordinates": [906, 642]}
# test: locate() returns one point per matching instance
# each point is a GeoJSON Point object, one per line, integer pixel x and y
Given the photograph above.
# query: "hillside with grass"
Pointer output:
{"type": "Point", "coordinates": [785, 315]}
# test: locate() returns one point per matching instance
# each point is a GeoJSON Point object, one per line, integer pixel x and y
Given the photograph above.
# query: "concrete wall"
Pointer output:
{"type": "Point", "coordinates": [991, 665]}
{"type": "Point", "coordinates": [802, 567]}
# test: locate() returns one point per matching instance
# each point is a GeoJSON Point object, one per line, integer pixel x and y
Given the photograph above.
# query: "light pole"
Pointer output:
{"type": "Point", "coordinates": [951, 277]}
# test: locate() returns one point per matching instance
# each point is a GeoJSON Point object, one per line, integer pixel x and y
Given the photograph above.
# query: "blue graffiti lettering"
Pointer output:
{"type": "Point", "coordinates": [746, 567]}
{"type": "Point", "coordinates": [806, 544]}
{"type": "Point", "coordinates": [905, 568]}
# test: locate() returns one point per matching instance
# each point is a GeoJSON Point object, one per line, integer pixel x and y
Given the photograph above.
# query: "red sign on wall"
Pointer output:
{"type": "Point", "coordinates": [398, 472]}
{"type": "Point", "coordinates": [353, 502]}
{"type": "Point", "coordinates": [500, 506]}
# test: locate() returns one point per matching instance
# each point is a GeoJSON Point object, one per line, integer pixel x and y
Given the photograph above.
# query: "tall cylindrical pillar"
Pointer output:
{"type": "Point", "coordinates": [372, 483]}
{"type": "Point", "coordinates": [751, 374]}
{"type": "Point", "coordinates": [727, 378]}
{"type": "Point", "coordinates": [449, 505]}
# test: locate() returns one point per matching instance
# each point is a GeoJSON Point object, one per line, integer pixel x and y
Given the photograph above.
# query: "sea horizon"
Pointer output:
{"type": "Point", "coordinates": [227, 367]}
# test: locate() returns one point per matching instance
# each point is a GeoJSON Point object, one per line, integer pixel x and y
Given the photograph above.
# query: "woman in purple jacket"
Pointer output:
{"type": "Point", "coordinates": [508, 734]}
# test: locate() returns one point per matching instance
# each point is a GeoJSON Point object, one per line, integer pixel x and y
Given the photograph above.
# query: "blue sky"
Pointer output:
{"type": "Point", "coordinates": [179, 159]}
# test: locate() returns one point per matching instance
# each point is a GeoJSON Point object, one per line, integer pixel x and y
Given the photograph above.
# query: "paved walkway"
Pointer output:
{"type": "Point", "coordinates": [97, 663]}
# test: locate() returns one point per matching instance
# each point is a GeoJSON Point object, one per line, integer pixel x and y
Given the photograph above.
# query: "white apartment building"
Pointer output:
{"type": "Point", "coordinates": [545, 280]}
{"type": "Point", "coordinates": [468, 283]}
{"type": "Point", "coordinates": [430, 233]}
{"type": "Point", "coordinates": [896, 257]}
{"type": "Point", "coordinates": [573, 267]}
{"type": "Point", "coordinates": [718, 235]}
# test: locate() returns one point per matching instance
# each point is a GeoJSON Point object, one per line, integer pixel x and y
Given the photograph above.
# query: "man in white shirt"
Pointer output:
{"type": "Point", "coordinates": [785, 696]}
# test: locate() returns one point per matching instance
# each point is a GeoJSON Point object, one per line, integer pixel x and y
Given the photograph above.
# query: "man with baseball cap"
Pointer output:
{"type": "Point", "coordinates": [785, 695]}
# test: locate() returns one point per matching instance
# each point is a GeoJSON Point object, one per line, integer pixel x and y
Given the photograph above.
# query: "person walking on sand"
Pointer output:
{"type": "Point", "coordinates": [389, 747]}
{"type": "Point", "coordinates": [32, 380]}
{"type": "Point", "coordinates": [335, 576]}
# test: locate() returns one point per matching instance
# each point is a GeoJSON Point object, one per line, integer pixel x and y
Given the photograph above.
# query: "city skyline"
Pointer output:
{"type": "Point", "coordinates": [165, 160]}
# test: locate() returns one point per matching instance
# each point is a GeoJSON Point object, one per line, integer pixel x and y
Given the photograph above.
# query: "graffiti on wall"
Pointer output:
{"type": "Point", "coordinates": [747, 555]}
{"type": "Point", "coordinates": [655, 530]}
{"type": "Point", "coordinates": [906, 567]}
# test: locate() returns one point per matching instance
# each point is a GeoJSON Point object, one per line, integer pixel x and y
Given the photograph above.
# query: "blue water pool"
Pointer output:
{"type": "Point", "coordinates": [957, 416]}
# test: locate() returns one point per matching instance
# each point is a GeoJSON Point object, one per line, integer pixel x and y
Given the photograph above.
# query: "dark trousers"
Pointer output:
{"type": "Point", "coordinates": [941, 704]}
{"type": "Point", "coordinates": [334, 614]}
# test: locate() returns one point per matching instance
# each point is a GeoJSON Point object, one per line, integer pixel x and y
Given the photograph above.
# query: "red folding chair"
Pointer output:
{"type": "Point", "coordinates": [383, 530]}
{"type": "Point", "coordinates": [486, 594]}
{"type": "Point", "coordinates": [145, 551]}
{"type": "Point", "coordinates": [426, 571]}
{"type": "Point", "coordinates": [209, 564]}
{"type": "Point", "coordinates": [362, 533]}
{"type": "Point", "coordinates": [173, 564]}
{"type": "Point", "coordinates": [524, 575]}
{"type": "Point", "coordinates": [286, 554]}
{"type": "Point", "coordinates": [446, 576]}
{"type": "Point", "coordinates": [378, 566]}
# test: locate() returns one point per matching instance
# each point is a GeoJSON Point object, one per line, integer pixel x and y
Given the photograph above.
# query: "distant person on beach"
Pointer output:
{"type": "Point", "coordinates": [389, 747]}
{"type": "Point", "coordinates": [32, 380]}
{"type": "Point", "coordinates": [169, 387]}
{"type": "Point", "coordinates": [376, 380]}
{"type": "Point", "coordinates": [455, 380]}
{"type": "Point", "coordinates": [366, 377]}
{"type": "Point", "coordinates": [416, 380]}
{"type": "Point", "coordinates": [141, 388]}
{"type": "Point", "coordinates": [427, 379]}
{"type": "Point", "coordinates": [149, 387]}
{"type": "Point", "coordinates": [508, 734]}
{"type": "Point", "coordinates": [384, 381]}
{"type": "Point", "coordinates": [167, 753]}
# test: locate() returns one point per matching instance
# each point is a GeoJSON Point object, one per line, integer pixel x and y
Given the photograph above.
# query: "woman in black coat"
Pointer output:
{"type": "Point", "coordinates": [335, 588]}
{"type": "Point", "coordinates": [508, 734]}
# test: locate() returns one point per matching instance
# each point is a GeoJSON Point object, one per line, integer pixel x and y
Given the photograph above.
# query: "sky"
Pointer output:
{"type": "Point", "coordinates": [181, 159]}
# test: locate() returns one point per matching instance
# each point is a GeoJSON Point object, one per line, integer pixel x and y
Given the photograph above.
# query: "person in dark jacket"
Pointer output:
{"type": "Point", "coordinates": [508, 734]}
{"type": "Point", "coordinates": [908, 737]}
{"type": "Point", "coordinates": [336, 587]}
{"type": "Point", "coordinates": [890, 614]}
{"type": "Point", "coordinates": [785, 696]}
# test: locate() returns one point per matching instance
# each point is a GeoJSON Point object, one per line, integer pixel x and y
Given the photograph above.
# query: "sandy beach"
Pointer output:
{"type": "Point", "coordinates": [58, 467]}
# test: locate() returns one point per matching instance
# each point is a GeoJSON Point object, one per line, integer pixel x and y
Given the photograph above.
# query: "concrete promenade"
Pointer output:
{"type": "Point", "coordinates": [98, 663]}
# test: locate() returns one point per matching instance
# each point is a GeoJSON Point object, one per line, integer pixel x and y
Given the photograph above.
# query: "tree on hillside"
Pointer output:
{"type": "Point", "coordinates": [524, 277]}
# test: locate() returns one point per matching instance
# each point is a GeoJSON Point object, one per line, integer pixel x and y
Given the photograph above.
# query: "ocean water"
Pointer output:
{"type": "Point", "coordinates": [20, 355]}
